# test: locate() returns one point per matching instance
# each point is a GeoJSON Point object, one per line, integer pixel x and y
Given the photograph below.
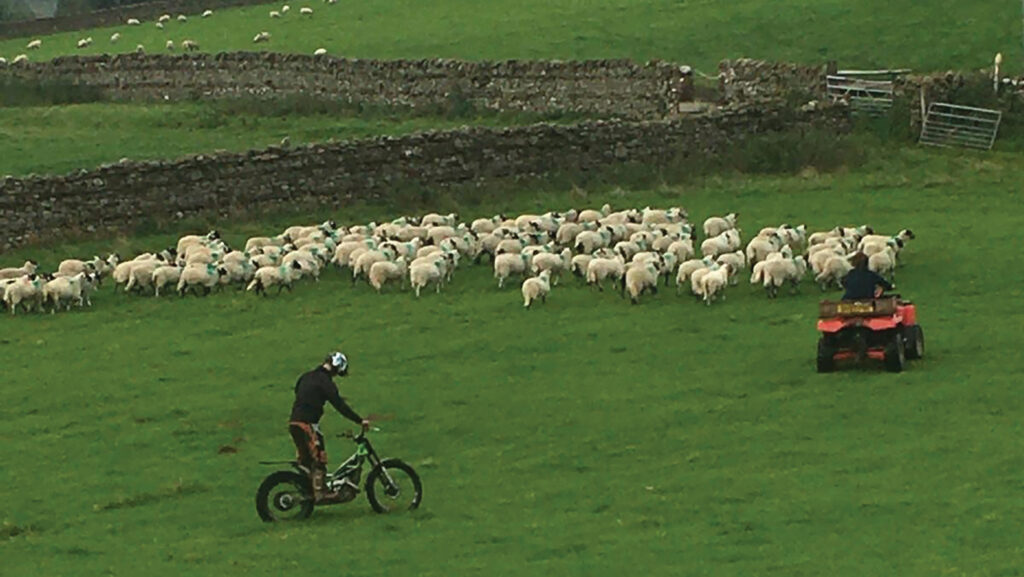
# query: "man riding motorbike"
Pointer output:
{"type": "Point", "coordinates": [312, 390]}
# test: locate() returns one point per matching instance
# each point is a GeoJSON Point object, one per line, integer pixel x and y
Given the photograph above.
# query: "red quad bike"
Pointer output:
{"type": "Point", "coordinates": [885, 329]}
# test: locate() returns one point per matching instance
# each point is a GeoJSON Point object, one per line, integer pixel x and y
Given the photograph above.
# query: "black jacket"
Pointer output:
{"type": "Point", "coordinates": [860, 284]}
{"type": "Point", "coordinates": [312, 390]}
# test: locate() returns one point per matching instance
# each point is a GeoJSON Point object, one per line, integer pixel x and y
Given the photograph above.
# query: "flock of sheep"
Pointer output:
{"type": "Point", "coordinates": [634, 249]}
{"type": "Point", "coordinates": [187, 45]}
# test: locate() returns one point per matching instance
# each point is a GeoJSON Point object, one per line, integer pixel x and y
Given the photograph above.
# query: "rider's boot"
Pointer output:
{"type": "Point", "coordinates": [320, 494]}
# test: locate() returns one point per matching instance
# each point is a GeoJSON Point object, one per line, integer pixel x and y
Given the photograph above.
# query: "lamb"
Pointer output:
{"type": "Point", "coordinates": [320, 52]}
{"type": "Point", "coordinates": [133, 22]}
{"type": "Point", "coordinates": [165, 275]}
{"type": "Point", "coordinates": [639, 277]}
{"type": "Point", "coordinates": [194, 276]}
{"type": "Point", "coordinates": [261, 37]}
{"type": "Point", "coordinates": [776, 272]}
{"type": "Point", "coordinates": [714, 281]}
{"type": "Point", "coordinates": [285, 9]}
{"type": "Point", "coordinates": [273, 14]}
{"type": "Point", "coordinates": [164, 18]}
{"type": "Point", "coordinates": [140, 49]}
{"type": "Point", "coordinates": [85, 42]}
{"type": "Point", "coordinates": [115, 37]}
{"type": "Point", "coordinates": [904, 235]}
{"type": "Point", "coordinates": [381, 272]}
{"type": "Point", "coordinates": [34, 45]}
{"type": "Point", "coordinates": [536, 287]}
{"type": "Point", "coordinates": [28, 268]}
{"type": "Point", "coordinates": [727, 241]}
{"type": "Point", "coordinates": [554, 263]}
{"type": "Point", "coordinates": [716, 225]}
{"type": "Point", "coordinates": [24, 290]}
{"type": "Point", "coordinates": [306, 10]}
{"type": "Point", "coordinates": [268, 276]}
{"type": "Point", "coordinates": [422, 273]}
{"type": "Point", "coordinates": [170, 45]}
{"type": "Point", "coordinates": [160, 25]}
{"type": "Point", "coordinates": [20, 59]}
{"type": "Point", "coordinates": [737, 261]}
{"type": "Point", "coordinates": [505, 265]}
{"type": "Point", "coordinates": [182, 18]}
{"type": "Point", "coordinates": [207, 13]}
{"type": "Point", "coordinates": [189, 45]}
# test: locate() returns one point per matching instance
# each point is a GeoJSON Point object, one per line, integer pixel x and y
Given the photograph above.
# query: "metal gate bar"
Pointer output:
{"type": "Point", "coordinates": [955, 125]}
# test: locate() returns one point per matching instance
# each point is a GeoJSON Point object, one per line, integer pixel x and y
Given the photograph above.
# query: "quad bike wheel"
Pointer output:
{"type": "Point", "coordinates": [826, 357]}
{"type": "Point", "coordinates": [895, 353]}
{"type": "Point", "coordinates": [914, 337]}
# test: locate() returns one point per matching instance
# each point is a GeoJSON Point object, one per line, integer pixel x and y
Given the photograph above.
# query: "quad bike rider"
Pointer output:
{"type": "Point", "coordinates": [312, 390]}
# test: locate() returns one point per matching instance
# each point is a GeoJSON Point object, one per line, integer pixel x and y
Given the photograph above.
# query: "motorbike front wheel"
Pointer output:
{"type": "Point", "coordinates": [393, 486]}
{"type": "Point", "coordinates": [284, 496]}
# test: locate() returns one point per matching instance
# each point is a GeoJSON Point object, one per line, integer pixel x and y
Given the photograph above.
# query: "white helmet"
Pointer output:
{"type": "Point", "coordinates": [338, 363]}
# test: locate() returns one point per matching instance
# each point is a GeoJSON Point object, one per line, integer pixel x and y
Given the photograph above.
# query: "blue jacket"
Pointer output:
{"type": "Point", "coordinates": [860, 284]}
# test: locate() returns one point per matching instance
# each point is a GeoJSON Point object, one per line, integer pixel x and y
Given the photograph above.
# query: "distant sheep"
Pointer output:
{"type": "Point", "coordinates": [164, 18]}
{"type": "Point", "coordinates": [207, 13]}
{"type": "Point", "coordinates": [85, 42]}
{"type": "Point", "coordinates": [536, 287]}
{"type": "Point", "coordinates": [189, 45]}
{"type": "Point", "coordinates": [275, 14]}
{"type": "Point", "coordinates": [261, 37]}
{"type": "Point", "coordinates": [20, 59]}
{"type": "Point", "coordinates": [34, 45]}
{"type": "Point", "coordinates": [170, 45]}
{"type": "Point", "coordinates": [115, 37]}
{"type": "Point", "coordinates": [182, 18]}
{"type": "Point", "coordinates": [320, 52]}
{"type": "Point", "coordinates": [306, 10]}
{"type": "Point", "coordinates": [716, 225]}
{"type": "Point", "coordinates": [133, 22]}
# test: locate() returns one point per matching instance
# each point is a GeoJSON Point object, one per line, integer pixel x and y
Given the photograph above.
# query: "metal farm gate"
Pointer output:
{"type": "Point", "coordinates": [954, 125]}
{"type": "Point", "coordinates": [865, 96]}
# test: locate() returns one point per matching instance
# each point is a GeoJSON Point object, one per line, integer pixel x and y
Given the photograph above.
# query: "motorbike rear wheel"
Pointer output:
{"type": "Point", "coordinates": [284, 496]}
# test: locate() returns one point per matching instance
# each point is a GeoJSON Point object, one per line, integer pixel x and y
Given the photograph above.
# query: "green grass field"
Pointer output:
{"type": "Point", "coordinates": [584, 437]}
{"type": "Point", "coordinates": [900, 33]}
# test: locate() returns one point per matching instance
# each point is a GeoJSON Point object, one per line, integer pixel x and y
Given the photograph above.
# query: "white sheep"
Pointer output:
{"type": "Point", "coordinates": [269, 276]}
{"type": "Point", "coordinates": [115, 37]}
{"type": "Point", "coordinates": [141, 274]}
{"type": "Point", "coordinates": [182, 18]}
{"type": "Point", "coordinates": [170, 45]}
{"type": "Point", "coordinates": [883, 263]}
{"type": "Point", "coordinates": [423, 273]}
{"type": "Point", "coordinates": [716, 225]}
{"type": "Point", "coordinates": [133, 22]}
{"type": "Point", "coordinates": [727, 241]}
{"type": "Point", "coordinates": [361, 266]}
{"type": "Point", "coordinates": [555, 263]}
{"type": "Point", "coordinates": [84, 42]}
{"type": "Point", "coordinates": [306, 10]}
{"type": "Point", "coordinates": [65, 290]}
{"type": "Point", "coordinates": [25, 290]}
{"type": "Point", "coordinates": [19, 59]}
{"type": "Point", "coordinates": [28, 268]}
{"type": "Point", "coordinates": [189, 45]}
{"type": "Point", "coordinates": [140, 49]}
{"type": "Point", "coordinates": [590, 215]}
{"type": "Point", "coordinates": [34, 45]}
{"type": "Point", "coordinates": [773, 273]}
{"type": "Point", "coordinates": [285, 9]}
{"type": "Point", "coordinates": [639, 278]}
{"type": "Point", "coordinates": [505, 265]}
{"type": "Point", "coordinates": [160, 25]}
{"type": "Point", "coordinates": [484, 225]}
{"type": "Point", "coordinates": [274, 14]}
{"type": "Point", "coordinates": [382, 272]}
{"type": "Point", "coordinates": [602, 268]}
{"type": "Point", "coordinates": [687, 268]}
{"type": "Point", "coordinates": [261, 37]}
{"type": "Point", "coordinates": [590, 240]}
{"type": "Point", "coordinates": [164, 18]}
{"type": "Point", "coordinates": [714, 281]}
{"type": "Point", "coordinates": [207, 13]}
{"type": "Point", "coordinates": [320, 52]}
{"type": "Point", "coordinates": [737, 261]}
{"type": "Point", "coordinates": [833, 271]}
{"type": "Point", "coordinates": [762, 245]}
{"type": "Point", "coordinates": [240, 272]}
{"type": "Point", "coordinates": [165, 275]}
{"type": "Point", "coordinates": [536, 287]}
{"type": "Point", "coordinates": [195, 276]}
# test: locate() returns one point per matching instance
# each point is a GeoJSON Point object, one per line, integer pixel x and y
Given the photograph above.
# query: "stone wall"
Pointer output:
{"type": "Point", "coordinates": [114, 16]}
{"type": "Point", "coordinates": [116, 197]}
{"type": "Point", "coordinates": [601, 88]}
{"type": "Point", "coordinates": [747, 80]}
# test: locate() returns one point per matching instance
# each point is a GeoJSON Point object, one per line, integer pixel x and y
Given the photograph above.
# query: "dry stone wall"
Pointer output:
{"type": "Point", "coordinates": [119, 196]}
{"type": "Point", "coordinates": [601, 88]}
{"type": "Point", "coordinates": [748, 80]}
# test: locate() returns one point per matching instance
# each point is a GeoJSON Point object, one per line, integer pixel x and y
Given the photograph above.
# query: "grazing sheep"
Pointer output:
{"type": "Point", "coordinates": [182, 18]}
{"type": "Point", "coordinates": [140, 49]}
{"type": "Point", "coordinates": [261, 37]}
{"type": "Point", "coordinates": [508, 264]}
{"type": "Point", "coordinates": [207, 13]}
{"type": "Point", "coordinates": [20, 59]}
{"type": "Point", "coordinates": [639, 278]}
{"type": "Point", "coordinates": [25, 290]}
{"type": "Point", "coordinates": [115, 37]}
{"type": "Point", "coordinates": [133, 22]}
{"type": "Point", "coordinates": [285, 9]}
{"type": "Point", "coordinates": [85, 42]}
{"type": "Point", "coordinates": [555, 263]}
{"type": "Point", "coordinates": [195, 276]}
{"type": "Point", "coordinates": [164, 18]}
{"type": "Point", "coordinates": [320, 52]}
{"type": "Point", "coordinates": [28, 268]}
{"type": "Point", "coordinates": [306, 10]}
{"type": "Point", "coordinates": [160, 25]}
{"type": "Point", "coordinates": [3, 60]}
{"type": "Point", "coordinates": [170, 45]}
{"type": "Point", "coordinates": [714, 281]}
{"type": "Point", "coordinates": [716, 225]}
{"type": "Point", "coordinates": [34, 45]}
{"type": "Point", "coordinates": [189, 45]}
{"type": "Point", "coordinates": [423, 273]}
{"type": "Point", "coordinates": [165, 275]}
{"type": "Point", "coordinates": [275, 14]}
{"type": "Point", "coordinates": [536, 287]}
{"type": "Point", "coordinates": [382, 272]}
